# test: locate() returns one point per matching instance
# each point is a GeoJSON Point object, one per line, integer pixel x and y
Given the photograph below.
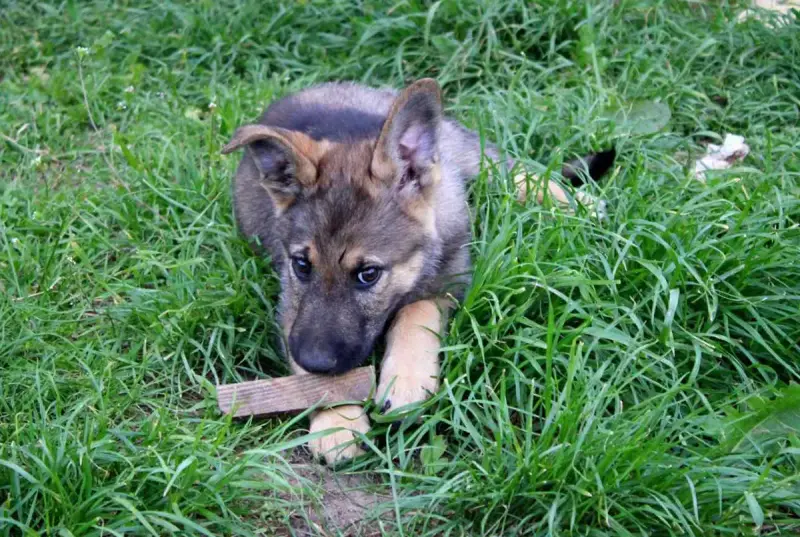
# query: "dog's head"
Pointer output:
{"type": "Point", "coordinates": [357, 225]}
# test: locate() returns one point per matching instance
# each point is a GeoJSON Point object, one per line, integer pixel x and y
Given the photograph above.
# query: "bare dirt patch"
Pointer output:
{"type": "Point", "coordinates": [346, 503]}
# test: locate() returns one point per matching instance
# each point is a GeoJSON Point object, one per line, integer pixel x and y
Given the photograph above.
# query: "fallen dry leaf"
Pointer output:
{"type": "Point", "coordinates": [783, 7]}
{"type": "Point", "coordinates": [720, 157]}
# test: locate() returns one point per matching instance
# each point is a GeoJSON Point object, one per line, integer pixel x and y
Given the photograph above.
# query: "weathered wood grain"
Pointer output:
{"type": "Point", "coordinates": [294, 394]}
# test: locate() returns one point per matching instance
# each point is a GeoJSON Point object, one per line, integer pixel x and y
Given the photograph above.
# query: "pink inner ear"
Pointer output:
{"type": "Point", "coordinates": [406, 152]}
{"type": "Point", "coordinates": [417, 145]}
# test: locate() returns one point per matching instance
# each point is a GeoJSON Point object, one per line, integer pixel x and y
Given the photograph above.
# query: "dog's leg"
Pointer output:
{"type": "Point", "coordinates": [337, 445]}
{"type": "Point", "coordinates": [557, 193]}
{"type": "Point", "coordinates": [575, 171]}
{"type": "Point", "coordinates": [410, 367]}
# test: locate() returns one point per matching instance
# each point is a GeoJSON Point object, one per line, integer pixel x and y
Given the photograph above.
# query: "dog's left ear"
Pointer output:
{"type": "Point", "coordinates": [406, 155]}
{"type": "Point", "coordinates": [286, 160]}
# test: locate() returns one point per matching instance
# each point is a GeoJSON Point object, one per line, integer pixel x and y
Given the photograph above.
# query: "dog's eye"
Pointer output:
{"type": "Point", "coordinates": [367, 277]}
{"type": "Point", "coordinates": [302, 268]}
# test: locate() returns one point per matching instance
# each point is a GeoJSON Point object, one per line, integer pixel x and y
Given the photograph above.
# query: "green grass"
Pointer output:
{"type": "Point", "coordinates": [632, 377]}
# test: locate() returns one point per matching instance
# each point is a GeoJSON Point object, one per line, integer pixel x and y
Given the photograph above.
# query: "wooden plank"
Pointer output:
{"type": "Point", "coordinates": [294, 394]}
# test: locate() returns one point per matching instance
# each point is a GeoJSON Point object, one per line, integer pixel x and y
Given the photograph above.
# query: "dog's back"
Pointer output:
{"type": "Point", "coordinates": [338, 111]}
{"type": "Point", "coordinates": [342, 111]}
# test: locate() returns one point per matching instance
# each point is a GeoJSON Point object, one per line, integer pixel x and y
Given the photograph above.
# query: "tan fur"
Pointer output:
{"type": "Point", "coordinates": [410, 367]}
{"type": "Point", "coordinates": [341, 444]}
{"type": "Point", "coordinates": [309, 249]}
{"type": "Point", "coordinates": [306, 153]}
{"type": "Point", "coordinates": [318, 162]}
{"type": "Point", "coordinates": [382, 163]}
{"type": "Point", "coordinates": [313, 253]}
{"type": "Point", "coordinates": [405, 274]}
{"type": "Point", "coordinates": [353, 258]}
{"type": "Point", "coordinates": [350, 163]}
{"type": "Point", "coordinates": [423, 208]}
{"type": "Point", "coordinates": [526, 182]}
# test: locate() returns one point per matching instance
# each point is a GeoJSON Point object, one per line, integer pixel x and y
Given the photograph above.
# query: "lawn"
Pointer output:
{"type": "Point", "coordinates": [632, 376]}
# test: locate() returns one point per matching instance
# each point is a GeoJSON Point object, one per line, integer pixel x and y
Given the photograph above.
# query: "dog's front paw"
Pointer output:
{"type": "Point", "coordinates": [405, 382]}
{"type": "Point", "coordinates": [343, 444]}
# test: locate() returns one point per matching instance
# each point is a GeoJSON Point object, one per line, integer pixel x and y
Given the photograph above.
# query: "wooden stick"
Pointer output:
{"type": "Point", "coordinates": [294, 394]}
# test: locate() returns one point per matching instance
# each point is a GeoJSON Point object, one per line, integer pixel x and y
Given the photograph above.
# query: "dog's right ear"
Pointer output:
{"type": "Point", "coordinates": [406, 153]}
{"type": "Point", "coordinates": [286, 160]}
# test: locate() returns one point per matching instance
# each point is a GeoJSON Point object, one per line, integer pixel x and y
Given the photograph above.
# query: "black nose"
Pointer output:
{"type": "Point", "coordinates": [315, 362]}
{"type": "Point", "coordinates": [322, 356]}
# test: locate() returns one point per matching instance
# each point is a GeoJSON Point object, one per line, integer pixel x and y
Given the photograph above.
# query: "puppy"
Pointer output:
{"type": "Point", "coordinates": [358, 195]}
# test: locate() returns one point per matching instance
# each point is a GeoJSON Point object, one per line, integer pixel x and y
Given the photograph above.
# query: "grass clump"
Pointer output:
{"type": "Point", "coordinates": [632, 377]}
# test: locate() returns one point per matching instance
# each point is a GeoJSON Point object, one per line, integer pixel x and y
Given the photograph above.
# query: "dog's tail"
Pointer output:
{"type": "Point", "coordinates": [593, 166]}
